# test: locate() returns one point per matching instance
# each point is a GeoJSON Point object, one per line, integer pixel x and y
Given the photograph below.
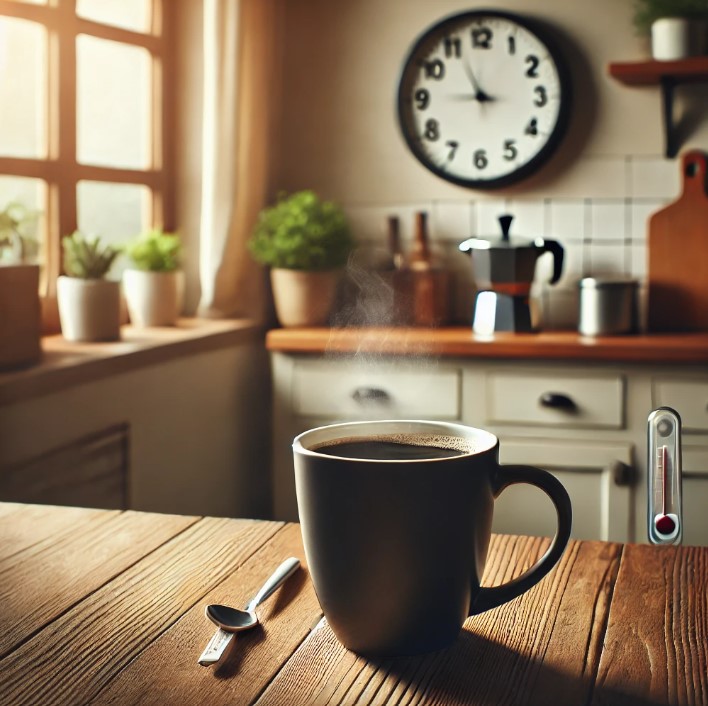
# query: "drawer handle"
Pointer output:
{"type": "Point", "coordinates": [366, 395]}
{"type": "Point", "coordinates": [557, 400]}
{"type": "Point", "coordinates": [622, 473]}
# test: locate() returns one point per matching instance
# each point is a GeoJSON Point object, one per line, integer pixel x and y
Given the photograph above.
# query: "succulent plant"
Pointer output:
{"type": "Point", "coordinates": [86, 258]}
{"type": "Point", "coordinates": [156, 251]}
{"type": "Point", "coordinates": [302, 232]}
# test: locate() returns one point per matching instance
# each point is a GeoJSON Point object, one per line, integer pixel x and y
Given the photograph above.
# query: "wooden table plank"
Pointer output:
{"type": "Point", "coordinates": [47, 578]}
{"type": "Point", "coordinates": [544, 642]}
{"type": "Point", "coordinates": [167, 671]}
{"type": "Point", "coordinates": [657, 635]}
{"type": "Point", "coordinates": [76, 656]}
{"type": "Point", "coordinates": [23, 526]}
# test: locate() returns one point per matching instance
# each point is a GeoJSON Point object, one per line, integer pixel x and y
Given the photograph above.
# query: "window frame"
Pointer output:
{"type": "Point", "coordinates": [60, 169]}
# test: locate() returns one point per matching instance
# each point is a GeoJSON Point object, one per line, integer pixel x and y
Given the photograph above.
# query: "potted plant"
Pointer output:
{"type": "Point", "coordinates": [89, 304]}
{"type": "Point", "coordinates": [677, 27]}
{"type": "Point", "coordinates": [154, 288]}
{"type": "Point", "coordinates": [306, 242]}
{"type": "Point", "coordinates": [20, 310]}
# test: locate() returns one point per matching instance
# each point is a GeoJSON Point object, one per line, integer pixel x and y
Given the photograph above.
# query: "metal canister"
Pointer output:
{"type": "Point", "coordinates": [608, 305]}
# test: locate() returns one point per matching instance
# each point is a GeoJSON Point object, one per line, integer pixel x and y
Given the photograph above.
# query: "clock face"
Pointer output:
{"type": "Point", "coordinates": [483, 99]}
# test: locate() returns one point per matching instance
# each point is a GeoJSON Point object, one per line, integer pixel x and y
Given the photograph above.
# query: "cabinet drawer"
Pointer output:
{"type": "Point", "coordinates": [339, 391]}
{"type": "Point", "coordinates": [688, 397]}
{"type": "Point", "coordinates": [555, 400]}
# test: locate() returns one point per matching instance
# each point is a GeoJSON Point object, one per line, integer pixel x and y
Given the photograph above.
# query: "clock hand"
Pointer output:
{"type": "Point", "coordinates": [470, 97]}
{"type": "Point", "coordinates": [462, 96]}
{"type": "Point", "coordinates": [479, 94]}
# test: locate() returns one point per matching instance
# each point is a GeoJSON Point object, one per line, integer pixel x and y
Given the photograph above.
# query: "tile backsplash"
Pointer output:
{"type": "Point", "coordinates": [604, 233]}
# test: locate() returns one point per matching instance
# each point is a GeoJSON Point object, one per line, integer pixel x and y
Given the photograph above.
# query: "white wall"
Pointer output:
{"type": "Point", "coordinates": [339, 135]}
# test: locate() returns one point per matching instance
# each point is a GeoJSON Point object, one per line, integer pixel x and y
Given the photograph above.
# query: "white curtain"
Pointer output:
{"type": "Point", "coordinates": [240, 83]}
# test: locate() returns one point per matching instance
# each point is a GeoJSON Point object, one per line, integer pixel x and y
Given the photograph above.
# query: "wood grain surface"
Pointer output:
{"type": "Point", "coordinates": [115, 615]}
{"type": "Point", "coordinates": [657, 636]}
{"type": "Point", "coordinates": [677, 243]}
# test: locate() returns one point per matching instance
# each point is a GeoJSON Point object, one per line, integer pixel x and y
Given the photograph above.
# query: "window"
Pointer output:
{"type": "Point", "coordinates": [84, 119]}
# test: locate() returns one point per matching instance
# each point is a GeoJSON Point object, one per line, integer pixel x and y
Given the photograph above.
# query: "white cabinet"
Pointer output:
{"type": "Point", "coordinates": [688, 396]}
{"type": "Point", "coordinates": [585, 423]}
{"type": "Point", "coordinates": [591, 473]}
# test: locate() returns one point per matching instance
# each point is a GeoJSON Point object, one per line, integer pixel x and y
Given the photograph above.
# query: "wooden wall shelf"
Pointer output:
{"type": "Point", "coordinates": [667, 75]}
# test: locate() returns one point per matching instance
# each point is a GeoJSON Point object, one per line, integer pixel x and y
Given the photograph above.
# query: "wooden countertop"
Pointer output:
{"type": "Point", "coordinates": [462, 342]}
{"type": "Point", "coordinates": [107, 607]}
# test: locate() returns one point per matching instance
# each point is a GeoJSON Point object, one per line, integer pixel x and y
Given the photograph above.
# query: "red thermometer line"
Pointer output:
{"type": "Point", "coordinates": [664, 459]}
{"type": "Point", "coordinates": [664, 523]}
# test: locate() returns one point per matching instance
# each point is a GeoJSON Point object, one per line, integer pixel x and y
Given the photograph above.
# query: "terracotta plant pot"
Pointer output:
{"type": "Point", "coordinates": [20, 315]}
{"type": "Point", "coordinates": [304, 298]}
{"type": "Point", "coordinates": [89, 309]}
{"type": "Point", "coordinates": [153, 298]}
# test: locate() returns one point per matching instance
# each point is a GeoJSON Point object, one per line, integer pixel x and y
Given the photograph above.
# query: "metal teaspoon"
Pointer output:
{"type": "Point", "coordinates": [232, 620]}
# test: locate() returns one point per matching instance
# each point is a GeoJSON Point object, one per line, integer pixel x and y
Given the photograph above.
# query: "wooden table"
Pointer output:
{"type": "Point", "coordinates": [107, 607]}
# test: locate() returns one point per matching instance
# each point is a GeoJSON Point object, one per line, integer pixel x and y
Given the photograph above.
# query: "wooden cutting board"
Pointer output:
{"type": "Point", "coordinates": [678, 255]}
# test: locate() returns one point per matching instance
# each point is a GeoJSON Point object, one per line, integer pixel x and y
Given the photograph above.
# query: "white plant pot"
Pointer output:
{"type": "Point", "coordinates": [671, 38]}
{"type": "Point", "coordinates": [89, 309]}
{"type": "Point", "coordinates": [20, 315]}
{"type": "Point", "coordinates": [304, 298]}
{"type": "Point", "coordinates": [153, 298]}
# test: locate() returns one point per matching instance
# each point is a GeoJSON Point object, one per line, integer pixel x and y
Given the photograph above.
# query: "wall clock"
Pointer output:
{"type": "Point", "coordinates": [483, 98]}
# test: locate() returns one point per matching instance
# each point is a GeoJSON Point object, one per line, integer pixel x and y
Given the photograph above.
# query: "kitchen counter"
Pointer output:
{"type": "Point", "coordinates": [462, 342]}
{"type": "Point", "coordinates": [107, 607]}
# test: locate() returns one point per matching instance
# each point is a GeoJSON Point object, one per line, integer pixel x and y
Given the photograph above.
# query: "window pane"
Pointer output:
{"type": "Point", "coordinates": [27, 199]}
{"type": "Point", "coordinates": [128, 14]}
{"type": "Point", "coordinates": [113, 103]}
{"type": "Point", "coordinates": [23, 88]}
{"type": "Point", "coordinates": [116, 212]}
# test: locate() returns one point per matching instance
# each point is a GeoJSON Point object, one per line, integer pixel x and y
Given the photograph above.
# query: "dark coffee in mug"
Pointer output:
{"type": "Point", "coordinates": [402, 447]}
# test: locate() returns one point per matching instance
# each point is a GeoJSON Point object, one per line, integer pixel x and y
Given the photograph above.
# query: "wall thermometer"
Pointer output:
{"type": "Point", "coordinates": [664, 516]}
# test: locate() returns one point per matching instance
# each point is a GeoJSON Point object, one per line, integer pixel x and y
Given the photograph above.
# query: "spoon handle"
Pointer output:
{"type": "Point", "coordinates": [215, 647]}
{"type": "Point", "coordinates": [283, 572]}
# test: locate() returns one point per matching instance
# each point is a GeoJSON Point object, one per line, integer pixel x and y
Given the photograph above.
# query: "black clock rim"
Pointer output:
{"type": "Point", "coordinates": [559, 131]}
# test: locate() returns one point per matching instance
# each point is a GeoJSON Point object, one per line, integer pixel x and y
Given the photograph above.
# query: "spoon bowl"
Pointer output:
{"type": "Point", "coordinates": [231, 619]}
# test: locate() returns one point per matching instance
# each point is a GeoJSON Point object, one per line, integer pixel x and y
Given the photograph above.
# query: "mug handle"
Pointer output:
{"type": "Point", "coordinates": [508, 475]}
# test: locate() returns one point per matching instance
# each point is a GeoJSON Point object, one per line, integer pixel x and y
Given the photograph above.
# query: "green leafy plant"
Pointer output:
{"type": "Point", "coordinates": [18, 242]}
{"type": "Point", "coordinates": [646, 11]}
{"type": "Point", "coordinates": [302, 232]}
{"type": "Point", "coordinates": [156, 251]}
{"type": "Point", "coordinates": [86, 258]}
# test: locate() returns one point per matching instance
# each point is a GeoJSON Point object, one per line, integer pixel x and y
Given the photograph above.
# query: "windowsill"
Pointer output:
{"type": "Point", "coordinates": [65, 364]}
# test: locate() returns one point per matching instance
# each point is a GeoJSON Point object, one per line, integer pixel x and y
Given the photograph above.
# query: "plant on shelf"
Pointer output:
{"type": "Point", "coordinates": [18, 242]}
{"type": "Point", "coordinates": [647, 11]}
{"type": "Point", "coordinates": [156, 251]}
{"type": "Point", "coordinates": [86, 257]}
{"type": "Point", "coordinates": [154, 287]}
{"type": "Point", "coordinates": [89, 304]}
{"type": "Point", "coordinates": [20, 309]}
{"type": "Point", "coordinates": [306, 242]}
{"type": "Point", "coordinates": [677, 27]}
